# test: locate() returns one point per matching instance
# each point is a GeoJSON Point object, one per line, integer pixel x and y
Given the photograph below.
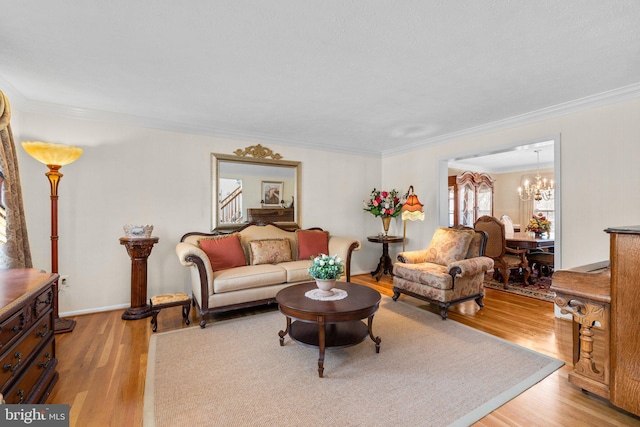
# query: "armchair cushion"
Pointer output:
{"type": "Point", "coordinates": [449, 245]}
{"type": "Point", "coordinates": [312, 243]}
{"type": "Point", "coordinates": [425, 273]}
{"type": "Point", "coordinates": [224, 252]}
{"type": "Point", "coordinates": [476, 247]}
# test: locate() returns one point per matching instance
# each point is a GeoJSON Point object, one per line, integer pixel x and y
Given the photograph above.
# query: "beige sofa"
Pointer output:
{"type": "Point", "coordinates": [267, 259]}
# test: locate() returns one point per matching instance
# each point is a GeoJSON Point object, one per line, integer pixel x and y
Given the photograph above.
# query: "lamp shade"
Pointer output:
{"type": "Point", "coordinates": [412, 208]}
{"type": "Point", "coordinates": [52, 154]}
{"type": "Point", "coordinates": [413, 216]}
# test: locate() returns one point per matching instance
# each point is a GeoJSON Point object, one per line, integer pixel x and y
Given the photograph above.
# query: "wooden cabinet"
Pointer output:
{"type": "Point", "coordinates": [270, 215]}
{"type": "Point", "coordinates": [625, 326]}
{"type": "Point", "coordinates": [470, 197]}
{"type": "Point", "coordinates": [603, 300]}
{"type": "Point", "coordinates": [27, 344]}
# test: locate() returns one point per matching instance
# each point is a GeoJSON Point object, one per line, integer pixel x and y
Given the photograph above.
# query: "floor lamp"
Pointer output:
{"type": "Point", "coordinates": [412, 211]}
{"type": "Point", "coordinates": [54, 156]}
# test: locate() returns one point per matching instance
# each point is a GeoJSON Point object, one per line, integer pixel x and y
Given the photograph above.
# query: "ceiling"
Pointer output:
{"type": "Point", "coordinates": [538, 155]}
{"type": "Point", "coordinates": [373, 77]}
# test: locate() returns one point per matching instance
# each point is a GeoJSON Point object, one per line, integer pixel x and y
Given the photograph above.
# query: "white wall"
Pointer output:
{"type": "Point", "coordinates": [133, 175]}
{"type": "Point", "coordinates": [136, 175]}
{"type": "Point", "coordinates": [507, 201]}
{"type": "Point", "coordinates": [600, 152]}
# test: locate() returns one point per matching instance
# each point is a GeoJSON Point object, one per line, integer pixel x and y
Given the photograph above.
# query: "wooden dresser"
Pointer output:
{"type": "Point", "coordinates": [606, 296]}
{"type": "Point", "coordinates": [27, 345]}
{"type": "Point", "coordinates": [270, 215]}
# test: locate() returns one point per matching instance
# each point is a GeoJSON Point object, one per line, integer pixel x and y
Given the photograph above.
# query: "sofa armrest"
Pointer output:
{"type": "Point", "coordinates": [344, 247]}
{"type": "Point", "coordinates": [186, 250]}
{"type": "Point", "coordinates": [470, 266]}
{"type": "Point", "coordinates": [413, 257]}
{"type": "Point", "coordinates": [201, 272]}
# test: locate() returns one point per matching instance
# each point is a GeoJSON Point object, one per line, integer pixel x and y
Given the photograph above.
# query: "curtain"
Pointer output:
{"type": "Point", "coordinates": [16, 252]}
{"type": "Point", "coordinates": [526, 210]}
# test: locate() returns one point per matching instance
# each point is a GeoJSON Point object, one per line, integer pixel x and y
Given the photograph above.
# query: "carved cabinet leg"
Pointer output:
{"type": "Point", "coordinates": [587, 374]}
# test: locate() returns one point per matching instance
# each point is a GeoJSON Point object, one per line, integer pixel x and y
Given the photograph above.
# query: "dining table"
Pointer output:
{"type": "Point", "coordinates": [528, 240]}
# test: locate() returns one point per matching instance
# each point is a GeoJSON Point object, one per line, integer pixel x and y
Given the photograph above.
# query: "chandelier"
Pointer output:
{"type": "Point", "coordinates": [538, 190]}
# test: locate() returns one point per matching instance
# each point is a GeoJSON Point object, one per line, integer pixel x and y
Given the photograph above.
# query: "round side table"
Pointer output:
{"type": "Point", "coordinates": [385, 266]}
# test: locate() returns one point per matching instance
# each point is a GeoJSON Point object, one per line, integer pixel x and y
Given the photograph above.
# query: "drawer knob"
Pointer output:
{"type": "Point", "coordinates": [12, 368]}
{"type": "Point", "coordinates": [42, 334]}
{"type": "Point", "coordinates": [45, 364]}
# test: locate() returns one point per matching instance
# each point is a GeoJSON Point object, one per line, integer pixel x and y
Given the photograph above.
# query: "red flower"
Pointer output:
{"type": "Point", "coordinates": [384, 194]}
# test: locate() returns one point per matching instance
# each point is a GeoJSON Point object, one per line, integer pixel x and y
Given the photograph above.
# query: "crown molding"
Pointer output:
{"type": "Point", "coordinates": [15, 97]}
{"type": "Point", "coordinates": [23, 104]}
{"type": "Point", "coordinates": [586, 103]}
{"type": "Point", "coordinates": [37, 107]}
{"type": "Point", "coordinates": [181, 127]}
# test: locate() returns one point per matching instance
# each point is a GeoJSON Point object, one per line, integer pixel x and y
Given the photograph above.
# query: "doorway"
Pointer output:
{"type": "Point", "coordinates": [514, 156]}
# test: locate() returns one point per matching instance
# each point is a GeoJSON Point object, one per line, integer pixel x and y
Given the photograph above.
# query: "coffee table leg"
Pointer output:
{"type": "Point", "coordinates": [321, 344]}
{"type": "Point", "coordinates": [376, 340]}
{"type": "Point", "coordinates": [282, 334]}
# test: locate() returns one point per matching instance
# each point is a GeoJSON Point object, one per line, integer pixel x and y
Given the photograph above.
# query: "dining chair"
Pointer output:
{"type": "Point", "coordinates": [505, 259]}
{"type": "Point", "coordinates": [508, 224]}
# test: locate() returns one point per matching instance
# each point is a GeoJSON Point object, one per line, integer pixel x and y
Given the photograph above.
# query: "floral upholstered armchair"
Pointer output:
{"type": "Point", "coordinates": [449, 272]}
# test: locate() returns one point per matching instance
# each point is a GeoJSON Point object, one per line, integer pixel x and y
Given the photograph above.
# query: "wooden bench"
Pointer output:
{"type": "Point", "coordinates": [169, 300]}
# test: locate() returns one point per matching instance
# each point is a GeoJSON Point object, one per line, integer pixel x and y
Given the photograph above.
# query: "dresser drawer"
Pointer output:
{"type": "Point", "coordinates": [42, 365]}
{"type": "Point", "coordinates": [12, 361]}
{"type": "Point", "coordinates": [11, 329]}
{"type": "Point", "coordinates": [42, 303]}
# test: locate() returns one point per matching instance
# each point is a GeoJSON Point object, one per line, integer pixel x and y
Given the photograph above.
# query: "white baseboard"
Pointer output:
{"type": "Point", "coordinates": [94, 310]}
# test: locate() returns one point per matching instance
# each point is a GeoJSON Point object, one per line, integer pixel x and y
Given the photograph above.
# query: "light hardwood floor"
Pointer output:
{"type": "Point", "coordinates": [102, 363]}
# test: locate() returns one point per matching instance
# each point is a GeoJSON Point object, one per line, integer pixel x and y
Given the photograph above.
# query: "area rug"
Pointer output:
{"type": "Point", "coordinates": [540, 289]}
{"type": "Point", "coordinates": [429, 372]}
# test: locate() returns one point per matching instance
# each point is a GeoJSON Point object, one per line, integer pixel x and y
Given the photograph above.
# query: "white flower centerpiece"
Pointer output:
{"type": "Point", "coordinates": [326, 270]}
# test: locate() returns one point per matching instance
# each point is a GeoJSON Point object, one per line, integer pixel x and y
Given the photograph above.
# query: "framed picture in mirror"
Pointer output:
{"type": "Point", "coordinates": [272, 192]}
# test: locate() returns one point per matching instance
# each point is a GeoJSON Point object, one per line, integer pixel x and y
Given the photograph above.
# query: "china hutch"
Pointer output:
{"type": "Point", "coordinates": [470, 197]}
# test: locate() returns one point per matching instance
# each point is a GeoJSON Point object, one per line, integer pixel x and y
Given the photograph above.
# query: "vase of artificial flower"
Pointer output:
{"type": "Point", "coordinates": [386, 220]}
{"type": "Point", "coordinates": [326, 270]}
{"type": "Point", "coordinates": [385, 204]}
{"type": "Point", "coordinates": [538, 224]}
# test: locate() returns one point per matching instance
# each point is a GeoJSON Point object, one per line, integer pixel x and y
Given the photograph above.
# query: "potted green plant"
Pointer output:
{"type": "Point", "coordinates": [326, 270]}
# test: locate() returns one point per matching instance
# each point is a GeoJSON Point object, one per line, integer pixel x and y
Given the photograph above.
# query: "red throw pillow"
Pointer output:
{"type": "Point", "coordinates": [224, 252]}
{"type": "Point", "coordinates": [312, 243]}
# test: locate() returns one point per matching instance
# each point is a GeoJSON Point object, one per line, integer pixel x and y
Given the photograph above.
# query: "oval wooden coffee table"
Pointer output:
{"type": "Point", "coordinates": [325, 324]}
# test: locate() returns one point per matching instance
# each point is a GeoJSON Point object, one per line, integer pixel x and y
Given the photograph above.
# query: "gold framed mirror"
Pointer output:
{"type": "Point", "coordinates": [247, 189]}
